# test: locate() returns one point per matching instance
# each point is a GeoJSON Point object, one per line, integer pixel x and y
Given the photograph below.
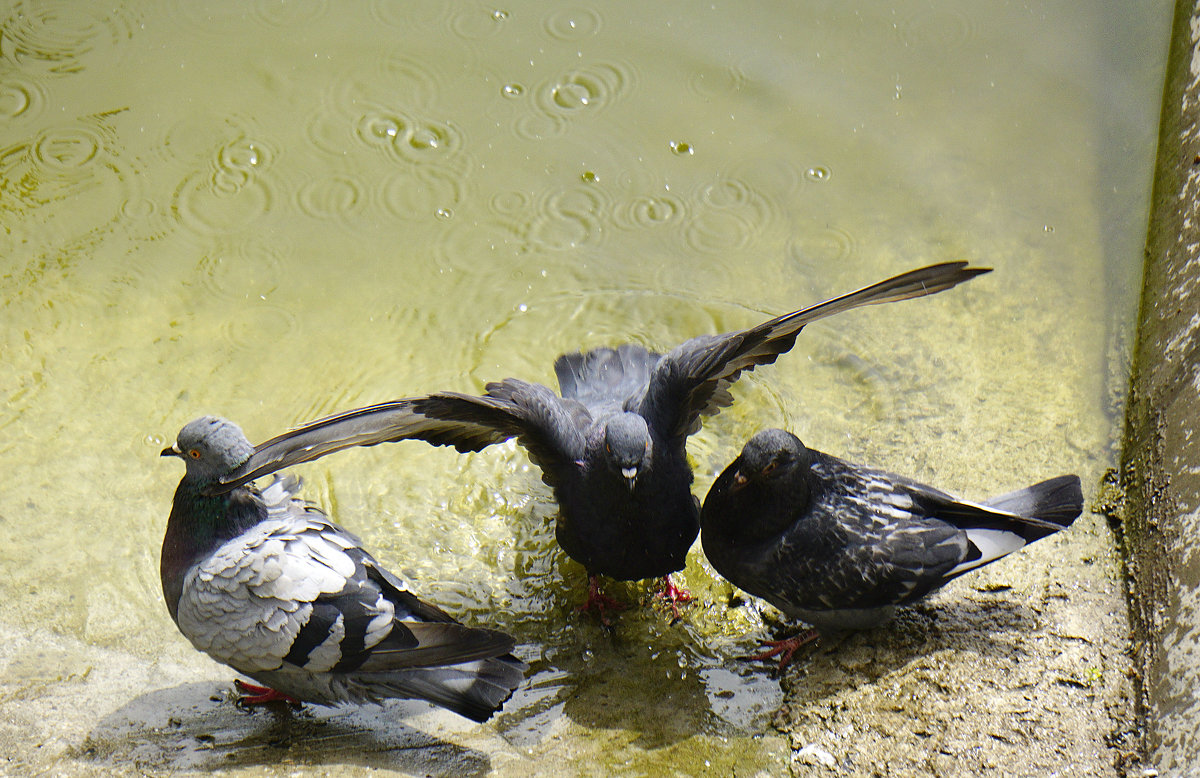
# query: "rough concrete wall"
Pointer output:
{"type": "Point", "coordinates": [1161, 462]}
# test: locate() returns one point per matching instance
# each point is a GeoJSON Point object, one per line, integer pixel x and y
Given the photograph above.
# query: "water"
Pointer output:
{"type": "Point", "coordinates": [277, 210]}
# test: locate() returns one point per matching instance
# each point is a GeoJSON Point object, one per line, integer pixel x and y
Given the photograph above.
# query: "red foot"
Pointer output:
{"type": "Point", "coordinates": [784, 649]}
{"type": "Point", "coordinates": [260, 695]}
{"type": "Point", "coordinates": [600, 602]}
{"type": "Point", "coordinates": [672, 595]}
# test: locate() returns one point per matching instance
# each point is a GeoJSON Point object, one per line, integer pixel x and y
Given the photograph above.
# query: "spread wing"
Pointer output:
{"type": "Point", "coordinates": [694, 378]}
{"type": "Point", "coordinates": [551, 429]}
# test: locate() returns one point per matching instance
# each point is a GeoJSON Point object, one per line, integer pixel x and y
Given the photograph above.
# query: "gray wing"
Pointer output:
{"type": "Point", "coordinates": [295, 589]}
{"type": "Point", "coordinates": [368, 426]}
{"type": "Point", "coordinates": [694, 378]}
{"type": "Point", "coordinates": [550, 428]}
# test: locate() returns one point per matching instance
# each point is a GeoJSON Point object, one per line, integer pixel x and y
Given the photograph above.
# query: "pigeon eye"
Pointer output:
{"type": "Point", "coordinates": [194, 453]}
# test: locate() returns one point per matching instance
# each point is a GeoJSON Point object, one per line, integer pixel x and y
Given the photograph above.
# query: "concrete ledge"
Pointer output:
{"type": "Point", "coordinates": [1160, 472]}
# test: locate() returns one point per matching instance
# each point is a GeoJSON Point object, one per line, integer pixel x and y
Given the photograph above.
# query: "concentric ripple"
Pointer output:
{"type": "Point", "coordinates": [572, 24]}
{"type": "Point", "coordinates": [20, 98]}
{"type": "Point", "coordinates": [231, 193]}
{"type": "Point", "coordinates": [937, 29]}
{"type": "Point", "coordinates": [576, 93]}
{"type": "Point", "coordinates": [59, 34]}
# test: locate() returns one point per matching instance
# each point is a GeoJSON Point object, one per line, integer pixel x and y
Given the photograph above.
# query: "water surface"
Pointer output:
{"type": "Point", "coordinates": [276, 210]}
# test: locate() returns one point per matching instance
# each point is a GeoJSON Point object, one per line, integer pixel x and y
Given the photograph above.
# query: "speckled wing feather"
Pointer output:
{"type": "Point", "coordinates": [865, 543]}
{"type": "Point", "coordinates": [694, 378]}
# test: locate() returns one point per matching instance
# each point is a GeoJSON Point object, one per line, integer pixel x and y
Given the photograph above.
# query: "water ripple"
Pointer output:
{"type": "Point", "coordinates": [20, 98]}
{"type": "Point", "coordinates": [213, 203]}
{"type": "Point", "coordinates": [69, 166]}
{"type": "Point", "coordinates": [241, 270]}
{"type": "Point", "coordinates": [651, 211]}
{"type": "Point", "coordinates": [331, 197]}
{"type": "Point", "coordinates": [425, 191]}
{"type": "Point", "coordinates": [294, 13]}
{"type": "Point", "coordinates": [821, 247]}
{"type": "Point", "coordinates": [60, 34]}
{"type": "Point", "coordinates": [477, 24]}
{"type": "Point", "coordinates": [579, 92]}
{"type": "Point", "coordinates": [257, 324]}
{"type": "Point", "coordinates": [231, 193]}
{"type": "Point", "coordinates": [730, 215]}
{"type": "Point", "coordinates": [484, 244]}
{"type": "Point", "coordinates": [571, 24]}
{"type": "Point", "coordinates": [937, 29]}
{"type": "Point", "coordinates": [569, 218]}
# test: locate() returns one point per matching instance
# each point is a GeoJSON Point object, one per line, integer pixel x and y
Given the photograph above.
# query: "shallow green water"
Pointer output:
{"type": "Point", "coordinates": [273, 211]}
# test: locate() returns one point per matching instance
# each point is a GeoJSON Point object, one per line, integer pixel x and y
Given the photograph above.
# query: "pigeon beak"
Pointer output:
{"type": "Point", "coordinates": [171, 451]}
{"type": "Point", "coordinates": [630, 474]}
{"type": "Point", "coordinates": [739, 481]}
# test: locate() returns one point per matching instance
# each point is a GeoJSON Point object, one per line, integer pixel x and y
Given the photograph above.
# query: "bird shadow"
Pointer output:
{"type": "Point", "coordinates": [988, 627]}
{"type": "Point", "coordinates": [197, 727]}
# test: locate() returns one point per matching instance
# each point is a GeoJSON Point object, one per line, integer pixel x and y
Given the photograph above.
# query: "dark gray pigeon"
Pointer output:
{"type": "Point", "coordinates": [264, 583]}
{"type": "Point", "coordinates": [840, 546]}
{"type": "Point", "coordinates": [613, 445]}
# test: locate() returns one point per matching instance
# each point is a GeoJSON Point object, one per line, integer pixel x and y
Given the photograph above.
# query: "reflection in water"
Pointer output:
{"type": "Point", "coordinates": [275, 211]}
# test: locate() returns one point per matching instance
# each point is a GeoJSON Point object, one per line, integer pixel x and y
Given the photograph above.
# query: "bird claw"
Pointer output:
{"type": "Point", "coordinates": [673, 595]}
{"type": "Point", "coordinates": [261, 695]}
{"type": "Point", "coordinates": [600, 603]}
{"type": "Point", "coordinates": [784, 649]}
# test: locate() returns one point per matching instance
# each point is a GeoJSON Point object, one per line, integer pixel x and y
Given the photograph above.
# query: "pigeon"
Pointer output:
{"type": "Point", "coordinates": [840, 546]}
{"type": "Point", "coordinates": [612, 446]}
{"type": "Point", "coordinates": [263, 582]}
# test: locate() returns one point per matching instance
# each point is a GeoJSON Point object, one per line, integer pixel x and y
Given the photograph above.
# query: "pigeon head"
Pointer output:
{"type": "Point", "coordinates": [773, 456]}
{"type": "Point", "coordinates": [627, 446]}
{"type": "Point", "coordinates": [210, 447]}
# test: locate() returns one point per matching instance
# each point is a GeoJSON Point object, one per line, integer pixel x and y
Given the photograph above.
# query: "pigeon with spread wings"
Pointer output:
{"type": "Point", "coordinates": [612, 445]}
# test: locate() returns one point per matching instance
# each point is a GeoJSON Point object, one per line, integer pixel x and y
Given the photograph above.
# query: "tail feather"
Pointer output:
{"type": "Point", "coordinates": [1058, 500]}
{"type": "Point", "coordinates": [1047, 508]}
{"type": "Point", "coordinates": [475, 690]}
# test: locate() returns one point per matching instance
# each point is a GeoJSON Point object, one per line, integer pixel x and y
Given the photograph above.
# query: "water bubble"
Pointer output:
{"type": "Point", "coordinates": [682, 148]}
{"type": "Point", "coordinates": [499, 14]}
{"type": "Point", "coordinates": [571, 95]}
{"type": "Point", "coordinates": [588, 177]}
{"type": "Point", "coordinates": [425, 138]}
{"type": "Point", "coordinates": [443, 213]}
{"type": "Point", "coordinates": [512, 90]}
{"type": "Point", "coordinates": [572, 23]}
{"type": "Point", "coordinates": [818, 174]}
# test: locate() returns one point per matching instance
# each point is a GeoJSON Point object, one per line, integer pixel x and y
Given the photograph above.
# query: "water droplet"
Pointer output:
{"type": "Point", "coordinates": [522, 307]}
{"type": "Point", "coordinates": [512, 90]}
{"type": "Point", "coordinates": [499, 14]}
{"type": "Point", "coordinates": [444, 213]}
{"type": "Point", "coordinates": [588, 177]}
{"type": "Point", "coordinates": [681, 148]}
{"type": "Point", "coordinates": [1048, 228]}
{"type": "Point", "coordinates": [425, 139]}
{"type": "Point", "coordinates": [818, 174]}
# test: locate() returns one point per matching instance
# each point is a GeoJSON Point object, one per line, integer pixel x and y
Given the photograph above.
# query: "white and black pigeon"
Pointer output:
{"type": "Point", "coordinates": [839, 546]}
{"type": "Point", "coordinates": [612, 446]}
{"type": "Point", "coordinates": [265, 583]}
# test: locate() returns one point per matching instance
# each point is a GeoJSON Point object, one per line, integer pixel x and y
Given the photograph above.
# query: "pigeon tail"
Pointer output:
{"type": "Point", "coordinates": [1038, 511]}
{"type": "Point", "coordinates": [475, 690]}
{"type": "Point", "coordinates": [1058, 500]}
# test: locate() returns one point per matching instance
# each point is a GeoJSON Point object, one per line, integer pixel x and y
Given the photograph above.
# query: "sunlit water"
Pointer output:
{"type": "Point", "coordinates": [273, 211]}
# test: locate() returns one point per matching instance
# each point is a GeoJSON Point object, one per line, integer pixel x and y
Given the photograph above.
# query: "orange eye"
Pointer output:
{"type": "Point", "coordinates": [194, 453]}
{"type": "Point", "coordinates": [770, 468]}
